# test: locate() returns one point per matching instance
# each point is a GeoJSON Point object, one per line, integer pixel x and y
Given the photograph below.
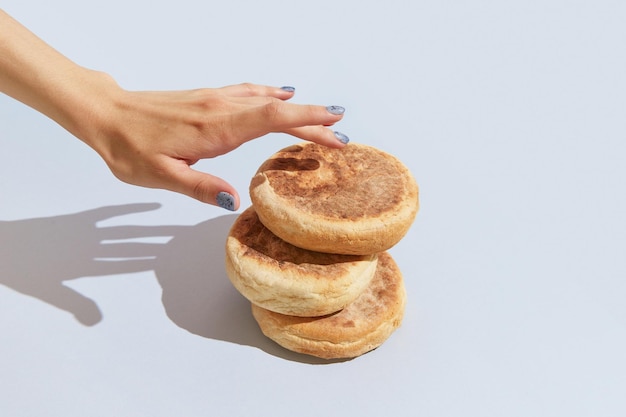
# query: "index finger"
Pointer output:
{"type": "Point", "coordinates": [280, 116]}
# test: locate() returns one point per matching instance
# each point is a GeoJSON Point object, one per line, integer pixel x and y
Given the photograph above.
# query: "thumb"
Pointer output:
{"type": "Point", "coordinates": [206, 188]}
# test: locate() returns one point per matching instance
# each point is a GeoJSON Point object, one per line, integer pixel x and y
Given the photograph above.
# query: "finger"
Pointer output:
{"type": "Point", "coordinates": [251, 90]}
{"type": "Point", "coordinates": [107, 212]}
{"type": "Point", "coordinates": [205, 188]}
{"type": "Point", "coordinates": [321, 135]}
{"type": "Point", "coordinates": [280, 116]}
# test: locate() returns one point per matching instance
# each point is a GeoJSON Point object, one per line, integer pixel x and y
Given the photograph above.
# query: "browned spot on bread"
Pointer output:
{"type": "Point", "coordinates": [261, 243]}
{"type": "Point", "coordinates": [290, 164]}
{"type": "Point", "coordinates": [348, 183]}
{"type": "Point", "coordinates": [293, 148]}
{"type": "Point", "coordinates": [257, 180]}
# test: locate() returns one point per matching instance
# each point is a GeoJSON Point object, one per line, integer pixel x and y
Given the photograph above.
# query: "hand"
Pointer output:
{"type": "Point", "coordinates": [151, 139]}
{"type": "Point", "coordinates": [38, 256]}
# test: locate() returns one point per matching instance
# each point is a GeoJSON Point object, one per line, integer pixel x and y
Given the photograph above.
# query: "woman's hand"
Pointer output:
{"type": "Point", "coordinates": [152, 138]}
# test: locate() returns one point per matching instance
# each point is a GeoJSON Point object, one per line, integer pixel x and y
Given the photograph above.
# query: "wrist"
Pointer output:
{"type": "Point", "coordinates": [85, 106]}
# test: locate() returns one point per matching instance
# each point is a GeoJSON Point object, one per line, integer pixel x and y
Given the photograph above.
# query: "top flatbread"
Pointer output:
{"type": "Point", "coordinates": [355, 200]}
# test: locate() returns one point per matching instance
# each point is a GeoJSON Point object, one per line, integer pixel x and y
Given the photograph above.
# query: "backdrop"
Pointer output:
{"type": "Point", "coordinates": [510, 115]}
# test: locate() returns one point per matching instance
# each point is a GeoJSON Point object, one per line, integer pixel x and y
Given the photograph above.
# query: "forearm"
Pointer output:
{"type": "Point", "coordinates": [37, 75]}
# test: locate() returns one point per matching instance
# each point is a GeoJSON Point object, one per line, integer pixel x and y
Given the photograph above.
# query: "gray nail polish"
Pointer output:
{"type": "Point", "coordinates": [226, 201]}
{"type": "Point", "coordinates": [335, 110]}
{"type": "Point", "coordinates": [341, 137]}
{"type": "Point", "coordinates": [288, 88]}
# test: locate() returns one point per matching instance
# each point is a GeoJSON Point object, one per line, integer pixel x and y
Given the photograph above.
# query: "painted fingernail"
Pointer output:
{"type": "Point", "coordinates": [341, 137]}
{"type": "Point", "coordinates": [288, 88]}
{"type": "Point", "coordinates": [335, 110]}
{"type": "Point", "coordinates": [226, 201]}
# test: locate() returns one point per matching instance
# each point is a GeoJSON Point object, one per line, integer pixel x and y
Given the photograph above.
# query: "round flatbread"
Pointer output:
{"type": "Point", "coordinates": [284, 278]}
{"type": "Point", "coordinates": [354, 200]}
{"type": "Point", "coordinates": [360, 327]}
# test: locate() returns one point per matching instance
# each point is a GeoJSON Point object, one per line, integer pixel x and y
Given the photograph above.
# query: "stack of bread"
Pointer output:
{"type": "Point", "coordinates": [310, 254]}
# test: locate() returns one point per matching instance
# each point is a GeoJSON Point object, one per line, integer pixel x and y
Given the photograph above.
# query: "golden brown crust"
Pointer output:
{"type": "Point", "coordinates": [283, 278]}
{"type": "Point", "coordinates": [354, 200]}
{"type": "Point", "coordinates": [360, 327]}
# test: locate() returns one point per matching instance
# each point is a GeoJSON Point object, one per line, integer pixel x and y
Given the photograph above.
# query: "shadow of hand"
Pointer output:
{"type": "Point", "coordinates": [38, 255]}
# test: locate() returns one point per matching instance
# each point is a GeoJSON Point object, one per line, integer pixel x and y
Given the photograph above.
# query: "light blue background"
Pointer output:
{"type": "Point", "coordinates": [511, 116]}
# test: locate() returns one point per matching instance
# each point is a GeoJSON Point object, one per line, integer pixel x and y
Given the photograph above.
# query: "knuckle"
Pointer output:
{"type": "Point", "coordinates": [201, 191]}
{"type": "Point", "coordinates": [272, 111]}
{"type": "Point", "coordinates": [249, 87]}
{"type": "Point", "coordinates": [315, 113]}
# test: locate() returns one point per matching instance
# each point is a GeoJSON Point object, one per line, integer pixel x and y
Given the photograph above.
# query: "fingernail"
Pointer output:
{"type": "Point", "coordinates": [226, 201]}
{"type": "Point", "coordinates": [341, 137]}
{"type": "Point", "coordinates": [335, 110]}
{"type": "Point", "coordinates": [288, 88]}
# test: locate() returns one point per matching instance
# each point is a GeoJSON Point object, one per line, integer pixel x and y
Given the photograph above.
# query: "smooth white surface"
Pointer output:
{"type": "Point", "coordinates": [510, 114]}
